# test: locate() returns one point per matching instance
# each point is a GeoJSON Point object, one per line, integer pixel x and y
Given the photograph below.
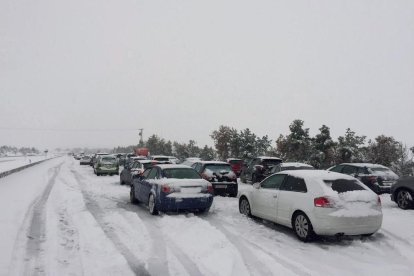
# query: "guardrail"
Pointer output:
{"type": "Point", "coordinates": [6, 173]}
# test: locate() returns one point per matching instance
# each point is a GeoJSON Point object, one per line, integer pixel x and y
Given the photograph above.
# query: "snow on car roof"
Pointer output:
{"type": "Point", "coordinates": [269, 157]}
{"type": "Point", "coordinates": [368, 165]}
{"type": "Point", "coordinates": [317, 174]}
{"type": "Point", "coordinates": [295, 164]}
{"type": "Point", "coordinates": [173, 166]}
{"type": "Point", "coordinates": [157, 156]}
{"type": "Point", "coordinates": [213, 162]}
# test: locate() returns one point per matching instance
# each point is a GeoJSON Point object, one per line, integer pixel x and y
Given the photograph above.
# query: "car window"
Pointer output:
{"type": "Point", "coordinates": [344, 185]}
{"type": "Point", "coordinates": [294, 184]}
{"type": "Point", "coordinates": [362, 170]}
{"type": "Point", "coordinates": [337, 168]}
{"type": "Point", "coordinates": [273, 182]}
{"type": "Point", "coordinates": [152, 174]}
{"type": "Point", "coordinates": [350, 170]}
{"type": "Point", "coordinates": [146, 172]}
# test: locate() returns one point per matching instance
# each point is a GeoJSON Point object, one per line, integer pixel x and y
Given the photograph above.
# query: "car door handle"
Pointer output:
{"type": "Point", "coordinates": [275, 196]}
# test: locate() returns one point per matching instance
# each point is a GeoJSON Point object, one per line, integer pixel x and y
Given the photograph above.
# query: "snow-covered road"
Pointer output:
{"type": "Point", "coordinates": [58, 218]}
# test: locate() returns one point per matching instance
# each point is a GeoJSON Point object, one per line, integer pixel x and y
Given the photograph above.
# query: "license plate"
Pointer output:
{"type": "Point", "coordinates": [220, 186]}
{"type": "Point", "coordinates": [192, 190]}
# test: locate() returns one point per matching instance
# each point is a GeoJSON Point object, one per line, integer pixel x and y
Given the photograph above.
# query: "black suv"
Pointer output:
{"type": "Point", "coordinates": [258, 168]}
{"type": "Point", "coordinates": [377, 177]}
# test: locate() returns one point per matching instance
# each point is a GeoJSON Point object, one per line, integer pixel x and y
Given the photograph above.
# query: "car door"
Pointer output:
{"type": "Point", "coordinates": [292, 196]}
{"type": "Point", "coordinates": [140, 189]}
{"type": "Point", "coordinates": [146, 187]}
{"type": "Point", "coordinates": [264, 198]}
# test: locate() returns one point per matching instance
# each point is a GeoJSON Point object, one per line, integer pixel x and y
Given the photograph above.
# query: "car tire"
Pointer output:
{"type": "Point", "coordinates": [132, 197]}
{"type": "Point", "coordinates": [302, 227]}
{"type": "Point", "coordinates": [152, 206]}
{"type": "Point", "coordinates": [244, 207]}
{"type": "Point", "coordinates": [121, 181]}
{"type": "Point", "coordinates": [203, 210]}
{"type": "Point", "coordinates": [404, 199]}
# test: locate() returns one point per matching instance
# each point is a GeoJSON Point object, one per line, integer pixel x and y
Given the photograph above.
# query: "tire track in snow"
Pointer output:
{"type": "Point", "coordinates": [33, 230]}
{"type": "Point", "coordinates": [160, 246]}
{"type": "Point", "coordinates": [248, 255]}
{"type": "Point", "coordinates": [136, 265]}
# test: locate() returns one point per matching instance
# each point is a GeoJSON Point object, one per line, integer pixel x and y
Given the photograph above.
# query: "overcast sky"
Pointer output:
{"type": "Point", "coordinates": [90, 72]}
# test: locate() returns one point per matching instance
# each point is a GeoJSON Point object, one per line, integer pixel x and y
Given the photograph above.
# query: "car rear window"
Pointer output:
{"type": "Point", "coordinates": [161, 158]}
{"type": "Point", "coordinates": [181, 173]}
{"type": "Point", "coordinates": [108, 159]}
{"type": "Point", "coordinates": [344, 185]}
{"type": "Point", "coordinates": [379, 169]}
{"type": "Point", "coordinates": [236, 162]}
{"type": "Point", "coordinates": [218, 167]}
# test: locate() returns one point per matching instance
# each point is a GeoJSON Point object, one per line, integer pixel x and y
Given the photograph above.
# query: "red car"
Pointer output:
{"type": "Point", "coordinates": [236, 165]}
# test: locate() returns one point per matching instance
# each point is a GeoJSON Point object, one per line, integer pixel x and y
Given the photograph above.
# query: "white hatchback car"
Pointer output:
{"type": "Point", "coordinates": [314, 202]}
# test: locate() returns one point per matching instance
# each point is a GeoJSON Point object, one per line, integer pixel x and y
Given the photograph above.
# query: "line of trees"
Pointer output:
{"type": "Point", "coordinates": [9, 150]}
{"type": "Point", "coordinates": [321, 150]}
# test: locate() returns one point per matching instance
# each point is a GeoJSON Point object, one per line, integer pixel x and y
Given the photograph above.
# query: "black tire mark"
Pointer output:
{"type": "Point", "coordinates": [36, 233]}
{"type": "Point", "coordinates": [137, 266]}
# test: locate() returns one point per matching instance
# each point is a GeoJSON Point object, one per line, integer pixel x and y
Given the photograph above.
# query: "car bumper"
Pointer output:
{"type": "Point", "coordinates": [325, 224]}
{"type": "Point", "coordinates": [384, 189]}
{"type": "Point", "coordinates": [107, 170]}
{"type": "Point", "coordinates": [225, 188]}
{"type": "Point", "coordinates": [177, 203]}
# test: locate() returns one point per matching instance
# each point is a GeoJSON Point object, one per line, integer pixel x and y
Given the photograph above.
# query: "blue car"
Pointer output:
{"type": "Point", "coordinates": [172, 188]}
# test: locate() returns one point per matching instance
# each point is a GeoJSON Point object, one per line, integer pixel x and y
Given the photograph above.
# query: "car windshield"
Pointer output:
{"type": "Point", "coordinates": [344, 185]}
{"type": "Point", "coordinates": [181, 173]}
{"type": "Point", "coordinates": [147, 165]}
{"type": "Point", "coordinates": [217, 168]}
{"type": "Point", "coordinates": [108, 159]}
{"type": "Point", "coordinates": [271, 162]}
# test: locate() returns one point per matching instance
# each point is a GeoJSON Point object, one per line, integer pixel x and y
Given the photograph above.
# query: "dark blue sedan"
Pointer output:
{"type": "Point", "coordinates": [172, 188]}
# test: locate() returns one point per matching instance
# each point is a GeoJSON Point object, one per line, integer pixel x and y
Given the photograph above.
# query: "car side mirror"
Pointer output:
{"type": "Point", "coordinates": [256, 185]}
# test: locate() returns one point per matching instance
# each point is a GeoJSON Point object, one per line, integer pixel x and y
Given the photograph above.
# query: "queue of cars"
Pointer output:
{"type": "Point", "coordinates": [342, 200]}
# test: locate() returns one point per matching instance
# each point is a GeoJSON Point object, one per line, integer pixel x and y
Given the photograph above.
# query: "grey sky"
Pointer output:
{"type": "Point", "coordinates": [179, 69]}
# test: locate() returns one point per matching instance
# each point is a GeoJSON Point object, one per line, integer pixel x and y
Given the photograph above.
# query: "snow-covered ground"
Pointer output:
{"type": "Point", "coordinates": [9, 163]}
{"type": "Point", "coordinates": [59, 218]}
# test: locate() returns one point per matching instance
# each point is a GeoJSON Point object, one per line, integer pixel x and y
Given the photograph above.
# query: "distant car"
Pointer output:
{"type": "Point", "coordinates": [220, 175]}
{"type": "Point", "coordinates": [159, 158]}
{"type": "Point", "coordinates": [190, 161]}
{"type": "Point", "coordinates": [258, 168]}
{"type": "Point", "coordinates": [236, 165]}
{"type": "Point", "coordinates": [96, 156]}
{"type": "Point", "coordinates": [172, 188]}
{"type": "Point", "coordinates": [290, 166]}
{"type": "Point", "coordinates": [402, 192]}
{"type": "Point", "coordinates": [173, 160]}
{"type": "Point", "coordinates": [85, 160]}
{"type": "Point", "coordinates": [134, 169]}
{"type": "Point", "coordinates": [377, 177]}
{"type": "Point", "coordinates": [106, 164]}
{"type": "Point", "coordinates": [314, 202]}
{"type": "Point", "coordinates": [133, 158]}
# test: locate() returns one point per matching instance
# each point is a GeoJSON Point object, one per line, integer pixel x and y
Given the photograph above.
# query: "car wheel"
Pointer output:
{"type": "Point", "coordinates": [203, 210]}
{"type": "Point", "coordinates": [244, 207]}
{"type": "Point", "coordinates": [132, 197]}
{"type": "Point", "coordinates": [404, 199]}
{"type": "Point", "coordinates": [302, 227]}
{"type": "Point", "coordinates": [151, 205]}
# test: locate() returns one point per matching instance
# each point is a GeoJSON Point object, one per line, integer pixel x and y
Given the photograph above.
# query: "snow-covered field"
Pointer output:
{"type": "Point", "coordinates": [9, 163]}
{"type": "Point", "coordinates": [59, 218]}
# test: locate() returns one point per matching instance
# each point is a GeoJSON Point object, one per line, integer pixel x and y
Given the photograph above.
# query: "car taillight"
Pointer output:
{"type": "Point", "coordinates": [210, 188]}
{"type": "Point", "coordinates": [165, 188]}
{"type": "Point", "coordinates": [322, 202]}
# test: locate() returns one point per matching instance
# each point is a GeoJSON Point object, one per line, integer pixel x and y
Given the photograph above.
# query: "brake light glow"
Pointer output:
{"type": "Point", "coordinates": [165, 188]}
{"type": "Point", "coordinates": [372, 178]}
{"type": "Point", "coordinates": [322, 202]}
{"type": "Point", "coordinates": [210, 188]}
